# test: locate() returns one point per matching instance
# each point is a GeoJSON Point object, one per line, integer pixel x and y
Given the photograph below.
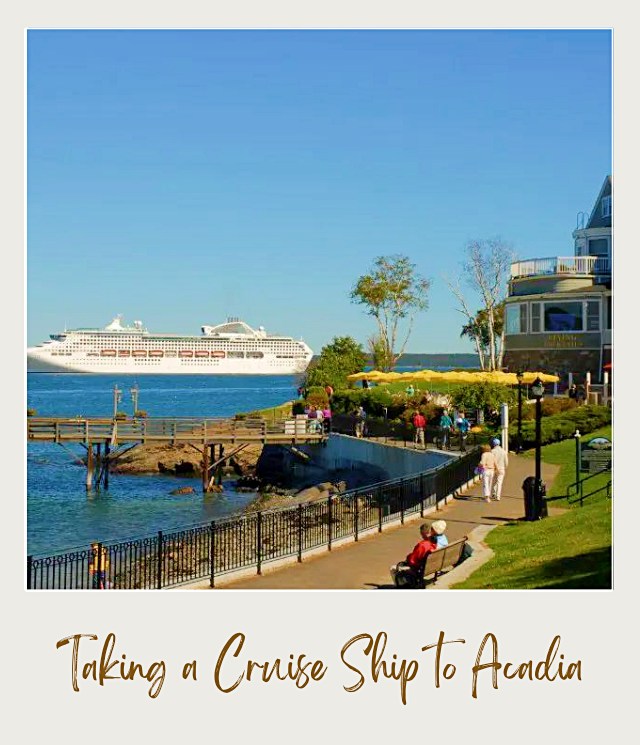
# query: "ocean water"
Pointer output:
{"type": "Point", "coordinates": [60, 513]}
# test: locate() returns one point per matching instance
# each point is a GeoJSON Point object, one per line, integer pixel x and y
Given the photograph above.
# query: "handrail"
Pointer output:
{"type": "Point", "coordinates": [561, 265]}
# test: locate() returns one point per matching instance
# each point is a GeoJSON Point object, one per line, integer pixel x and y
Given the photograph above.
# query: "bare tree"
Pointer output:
{"type": "Point", "coordinates": [486, 271]}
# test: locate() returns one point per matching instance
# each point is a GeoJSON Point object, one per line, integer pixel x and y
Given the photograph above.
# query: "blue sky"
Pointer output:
{"type": "Point", "coordinates": [179, 177]}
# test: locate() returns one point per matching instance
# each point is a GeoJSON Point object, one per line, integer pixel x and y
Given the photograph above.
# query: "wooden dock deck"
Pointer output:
{"type": "Point", "coordinates": [172, 431]}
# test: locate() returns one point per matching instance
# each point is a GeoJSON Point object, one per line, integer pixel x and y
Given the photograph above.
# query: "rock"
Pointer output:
{"type": "Point", "coordinates": [184, 490]}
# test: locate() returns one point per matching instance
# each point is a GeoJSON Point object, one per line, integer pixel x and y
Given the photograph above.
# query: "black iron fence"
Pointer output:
{"type": "Point", "coordinates": [222, 546]}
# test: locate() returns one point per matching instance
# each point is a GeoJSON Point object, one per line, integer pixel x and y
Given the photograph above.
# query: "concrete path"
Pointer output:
{"type": "Point", "coordinates": [365, 565]}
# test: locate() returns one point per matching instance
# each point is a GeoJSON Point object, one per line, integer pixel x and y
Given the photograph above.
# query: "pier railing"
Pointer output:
{"type": "Point", "coordinates": [207, 551]}
{"type": "Point", "coordinates": [162, 430]}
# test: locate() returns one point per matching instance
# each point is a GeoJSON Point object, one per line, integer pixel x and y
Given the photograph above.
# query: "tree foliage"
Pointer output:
{"type": "Point", "coordinates": [342, 357]}
{"type": "Point", "coordinates": [392, 292]}
{"type": "Point", "coordinates": [477, 329]}
{"type": "Point", "coordinates": [484, 396]}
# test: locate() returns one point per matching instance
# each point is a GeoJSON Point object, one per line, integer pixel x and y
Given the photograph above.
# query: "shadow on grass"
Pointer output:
{"type": "Point", "coordinates": [590, 570]}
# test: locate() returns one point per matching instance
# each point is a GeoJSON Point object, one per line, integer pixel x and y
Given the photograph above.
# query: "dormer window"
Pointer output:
{"type": "Point", "coordinates": [606, 206]}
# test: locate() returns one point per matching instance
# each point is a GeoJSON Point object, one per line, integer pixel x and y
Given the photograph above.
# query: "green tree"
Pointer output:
{"type": "Point", "coordinates": [342, 357]}
{"type": "Point", "coordinates": [392, 292]}
{"type": "Point", "coordinates": [485, 396]}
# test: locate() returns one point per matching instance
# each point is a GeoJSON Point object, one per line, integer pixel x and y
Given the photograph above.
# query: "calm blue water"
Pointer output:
{"type": "Point", "coordinates": [61, 515]}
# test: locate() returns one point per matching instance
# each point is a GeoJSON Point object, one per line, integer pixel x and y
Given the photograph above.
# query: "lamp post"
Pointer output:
{"type": "Point", "coordinates": [117, 396]}
{"type": "Point", "coordinates": [537, 389]}
{"type": "Point", "coordinates": [134, 397]}
{"type": "Point", "coordinates": [519, 375]}
{"type": "Point", "coordinates": [577, 436]}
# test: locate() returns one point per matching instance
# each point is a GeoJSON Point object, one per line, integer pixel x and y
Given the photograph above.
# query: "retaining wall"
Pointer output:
{"type": "Point", "coordinates": [343, 451]}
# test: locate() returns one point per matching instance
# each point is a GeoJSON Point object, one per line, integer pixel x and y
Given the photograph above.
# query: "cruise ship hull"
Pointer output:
{"type": "Point", "coordinates": [230, 348]}
{"type": "Point", "coordinates": [169, 366]}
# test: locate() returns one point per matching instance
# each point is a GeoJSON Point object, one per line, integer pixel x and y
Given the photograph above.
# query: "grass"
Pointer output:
{"type": "Point", "coordinates": [282, 411]}
{"type": "Point", "coordinates": [564, 551]}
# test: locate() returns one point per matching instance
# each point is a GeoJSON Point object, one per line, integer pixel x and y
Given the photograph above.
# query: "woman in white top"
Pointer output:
{"type": "Point", "coordinates": [488, 468]}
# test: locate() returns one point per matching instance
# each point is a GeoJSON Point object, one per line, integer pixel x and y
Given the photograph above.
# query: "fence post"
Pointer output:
{"type": "Point", "coordinates": [355, 516]}
{"type": "Point", "coordinates": [300, 532]}
{"type": "Point", "coordinates": [422, 479]}
{"type": "Point", "coordinates": [159, 568]}
{"type": "Point", "coordinates": [379, 512]}
{"type": "Point", "coordinates": [212, 549]}
{"type": "Point", "coordinates": [329, 522]}
{"type": "Point", "coordinates": [259, 542]}
{"type": "Point", "coordinates": [29, 569]}
{"type": "Point", "coordinates": [401, 501]}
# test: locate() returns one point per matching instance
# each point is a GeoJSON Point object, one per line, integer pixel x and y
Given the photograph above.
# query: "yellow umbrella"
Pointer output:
{"type": "Point", "coordinates": [529, 377]}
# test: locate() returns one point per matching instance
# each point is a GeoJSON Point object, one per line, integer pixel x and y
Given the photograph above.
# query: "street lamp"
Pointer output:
{"type": "Point", "coordinates": [537, 389]}
{"type": "Point", "coordinates": [117, 397]}
{"type": "Point", "coordinates": [519, 376]}
{"type": "Point", "coordinates": [134, 398]}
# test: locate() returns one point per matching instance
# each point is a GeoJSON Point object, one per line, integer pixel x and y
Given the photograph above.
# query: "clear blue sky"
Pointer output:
{"type": "Point", "coordinates": [179, 177]}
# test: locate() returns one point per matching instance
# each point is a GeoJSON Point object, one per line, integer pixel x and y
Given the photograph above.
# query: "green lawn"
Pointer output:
{"type": "Point", "coordinates": [567, 550]}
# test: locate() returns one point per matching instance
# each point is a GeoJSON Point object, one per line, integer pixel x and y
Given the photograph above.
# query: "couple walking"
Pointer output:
{"type": "Point", "coordinates": [492, 468]}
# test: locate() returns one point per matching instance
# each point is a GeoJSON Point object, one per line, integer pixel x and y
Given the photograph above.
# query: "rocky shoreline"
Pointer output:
{"type": "Point", "coordinates": [248, 471]}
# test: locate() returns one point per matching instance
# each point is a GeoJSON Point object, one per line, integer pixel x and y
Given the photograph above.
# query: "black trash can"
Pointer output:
{"type": "Point", "coordinates": [535, 504]}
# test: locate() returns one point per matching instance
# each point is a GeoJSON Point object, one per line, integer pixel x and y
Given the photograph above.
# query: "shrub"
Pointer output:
{"type": "Point", "coordinates": [139, 414]}
{"type": "Point", "coordinates": [120, 415]}
{"type": "Point", "coordinates": [32, 412]}
{"type": "Point", "coordinates": [317, 396]}
{"type": "Point", "coordinates": [297, 408]}
{"type": "Point", "coordinates": [562, 426]}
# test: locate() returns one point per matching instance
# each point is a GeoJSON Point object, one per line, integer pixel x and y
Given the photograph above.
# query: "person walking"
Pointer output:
{"type": "Point", "coordinates": [463, 427]}
{"type": "Point", "coordinates": [419, 422]}
{"type": "Point", "coordinates": [501, 458]}
{"type": "Point", "coordinates": [445, 428]}
{"type": "Point", "coordinates": [487, 469]}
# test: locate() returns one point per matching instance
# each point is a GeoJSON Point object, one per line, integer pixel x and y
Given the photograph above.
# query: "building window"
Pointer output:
{"type": "Point", "coordinates": [535, 318]}
{"type": "Point", "coordinates": [598, 247]}
{"type": "Point", "coordinates": [609, 311]}
{"type": "Point", "coordinates": [606, 206]}
{"type": "Point", "coordinates": [593, 315]}
{"type": "Point", "coordinates": [513, 318]}
{"type": "Point", "coordinates": [523, 318]}
{"type": "Point", "coordinates": [563, 316]}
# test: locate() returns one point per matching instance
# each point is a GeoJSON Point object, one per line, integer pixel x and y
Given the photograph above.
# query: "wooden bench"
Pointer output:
{"type": "Point", "coordinates": [438, 561]}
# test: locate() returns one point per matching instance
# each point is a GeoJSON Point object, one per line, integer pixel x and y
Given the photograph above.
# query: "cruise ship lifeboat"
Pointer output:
{"type": "Point", "coordinates": [218, 354]}
{"type": "Point", "coordinates": [108, 352]}
{"type": "Point", "coordinates": [138, 353]}
{"type": "Point", "coordinates": [185, 353]}
{"type": "Point", "coordinates": [202, 353]}
{"type": "Point", "coordinates": [156, 353]}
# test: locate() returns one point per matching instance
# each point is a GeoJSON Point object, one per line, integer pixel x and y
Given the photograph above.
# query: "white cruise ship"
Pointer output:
{"type": "Point", "coordinates": [231, 348]}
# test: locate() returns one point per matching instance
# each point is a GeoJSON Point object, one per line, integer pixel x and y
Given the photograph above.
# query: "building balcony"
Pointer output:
{"type": "Point", "coordinates": [571, 266]}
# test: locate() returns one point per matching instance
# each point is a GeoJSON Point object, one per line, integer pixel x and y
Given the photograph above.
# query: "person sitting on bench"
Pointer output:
{"type": "Point", "coordinates": [406, 572]}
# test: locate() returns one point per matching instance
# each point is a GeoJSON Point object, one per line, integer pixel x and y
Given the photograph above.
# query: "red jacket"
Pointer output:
{"type": "Point", "coordinates": [419, 421]}
{"type": "Point", "coordinates": [420, 553]}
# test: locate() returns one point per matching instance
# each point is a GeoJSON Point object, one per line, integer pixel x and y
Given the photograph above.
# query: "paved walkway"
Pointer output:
{"type": "Point", "coordinates": [365, 564]}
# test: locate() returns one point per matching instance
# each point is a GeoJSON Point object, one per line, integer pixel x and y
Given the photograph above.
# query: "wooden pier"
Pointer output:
{"type": "Point", "coordinates": [105, 439]}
